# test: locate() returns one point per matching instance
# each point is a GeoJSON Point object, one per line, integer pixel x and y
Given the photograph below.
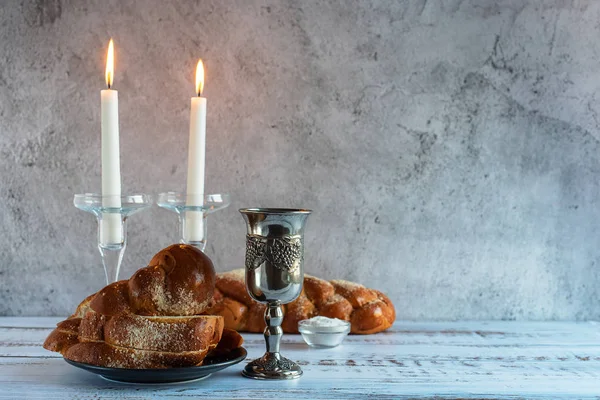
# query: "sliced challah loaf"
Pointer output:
{"type": "Point", "coordinates": [150, 320]}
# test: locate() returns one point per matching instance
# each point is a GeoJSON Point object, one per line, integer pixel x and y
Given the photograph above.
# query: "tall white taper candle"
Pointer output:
{"type": "Point", "coordinates": [194, 227]}
{"type": "Point", "coordinates": [110, 228]}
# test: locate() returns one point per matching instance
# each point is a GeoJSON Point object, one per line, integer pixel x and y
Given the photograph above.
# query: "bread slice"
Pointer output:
{"type": "Point", "coordinates": [158, 333]}
{"type": "Point", "coordinates": [230, 340]}
{"type": "Point", "coordinates": [64, 336]}
{"type": "Point", "coordinates": [106, 355]}
{"type": "Point", "coordinates": [166, 342]}
{"type": "Point", "coordinates": [64, 339]}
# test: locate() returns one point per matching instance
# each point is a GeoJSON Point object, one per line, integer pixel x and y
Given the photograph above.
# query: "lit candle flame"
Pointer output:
{"type": "Point", "coordinates": [110, 64]}
{"type": "Point", "coordinates": [199, 77]}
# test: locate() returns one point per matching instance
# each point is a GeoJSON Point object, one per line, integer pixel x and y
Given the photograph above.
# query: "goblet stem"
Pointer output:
{"type": "Point", "coordinates": [273, 331]}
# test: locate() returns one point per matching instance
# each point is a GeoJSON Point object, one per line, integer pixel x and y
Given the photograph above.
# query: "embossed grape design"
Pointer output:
{"type": "Point", "coordinates": [255, 252]}
{"type": "Point", "coordinates": [284, 253]}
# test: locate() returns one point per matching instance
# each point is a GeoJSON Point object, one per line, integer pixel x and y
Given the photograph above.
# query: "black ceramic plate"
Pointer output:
{"type": "Point", "coordinates": [167, 375]}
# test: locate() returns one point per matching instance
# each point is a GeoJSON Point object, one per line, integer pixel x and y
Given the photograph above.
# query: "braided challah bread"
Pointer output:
{"type": "Point", "coordinates": [368, 310]}
{"type": "Point", "coordinates": [175, 311]}
{"type": "Point", "coordinates": [151, 320]}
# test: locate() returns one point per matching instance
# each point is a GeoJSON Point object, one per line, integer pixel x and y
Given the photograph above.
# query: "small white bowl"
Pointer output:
{"type": "Point", "coordinates": [323, 336]}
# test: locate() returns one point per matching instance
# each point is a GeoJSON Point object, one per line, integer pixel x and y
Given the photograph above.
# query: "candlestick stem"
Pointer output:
{"type": "Point", "coordinates": [112, 247]}
{"type": "Point", "coordinates": [111, 260]}
{"type": "Point", "coordinates": [194, 215]}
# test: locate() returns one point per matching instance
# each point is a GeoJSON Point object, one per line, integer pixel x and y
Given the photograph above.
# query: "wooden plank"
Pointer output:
{"type": "Point", "coordinates": [54, 378]}
{"type": "Point", "coordinates": [428, 360]}
{"type": "Point", "coordinates": [29, 322]}
{"type": "Point", "coordinates": [510, 334]}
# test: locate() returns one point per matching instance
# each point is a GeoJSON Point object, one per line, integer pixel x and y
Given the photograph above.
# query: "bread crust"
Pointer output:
{"type": "Point", "coordinates": [159, 333]}
{"type": "Point", "coordinates": [179, 280]}
{"type": "Point", "coordinates": [369, 311]}
{"type": "Point", "coordinates": [106, 355]}
{"type": "Point", "coordinates": [230, 340]}
{"type": "Point", "coordinates": [205, 335]}
{"type": "Point", "coordinates": [233, 312]}
{"type": "Point", "coordinates": [150, 320]}
{"type": "Point", "coordinates": [64, 336]}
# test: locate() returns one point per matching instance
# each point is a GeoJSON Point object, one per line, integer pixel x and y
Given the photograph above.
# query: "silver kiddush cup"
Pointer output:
{"type": "Point", "coordinates": [274, 275]}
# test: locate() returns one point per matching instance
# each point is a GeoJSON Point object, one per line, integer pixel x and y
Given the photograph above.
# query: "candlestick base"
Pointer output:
{"type": "Point", "coordinates": [111, 213]}
{"type": "Point", "coordinates": [192, 218]}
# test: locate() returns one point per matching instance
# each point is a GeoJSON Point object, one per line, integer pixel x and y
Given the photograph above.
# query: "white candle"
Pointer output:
{"type": "Point", "coordinates": [194, 226]}
{"type": "Point", "coordinates": [110, 228]}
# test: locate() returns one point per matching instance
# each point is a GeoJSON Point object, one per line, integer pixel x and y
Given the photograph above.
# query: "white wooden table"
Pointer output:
{"type": "Point", "coordinates": [423, 360]}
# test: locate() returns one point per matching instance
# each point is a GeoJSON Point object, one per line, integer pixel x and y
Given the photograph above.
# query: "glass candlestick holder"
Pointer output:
{"type": "Point", "coordinates": [112, 213]}
{"type": "Point", "coordinates": [192, 211]}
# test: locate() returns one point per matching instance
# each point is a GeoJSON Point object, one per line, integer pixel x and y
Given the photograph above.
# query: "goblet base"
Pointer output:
{"type": "Point", "coordinates": [272, 366]}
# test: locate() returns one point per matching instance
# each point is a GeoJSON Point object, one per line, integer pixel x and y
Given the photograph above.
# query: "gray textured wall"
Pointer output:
{"type": "Point", "coordinates": [449, 149]}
